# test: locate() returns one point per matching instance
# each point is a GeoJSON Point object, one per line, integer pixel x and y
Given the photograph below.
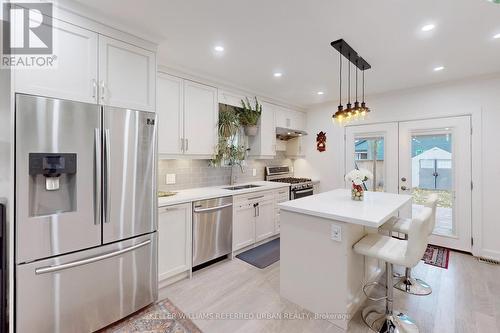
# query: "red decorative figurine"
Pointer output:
{"type": "Point", "coordinates": [321, 141]}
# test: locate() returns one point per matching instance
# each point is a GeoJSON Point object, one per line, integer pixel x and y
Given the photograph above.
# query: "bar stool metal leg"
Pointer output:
{"type": "Point", "coordinates": [386, 320]}
{"type": "Point", "coordinates": [411, 285]}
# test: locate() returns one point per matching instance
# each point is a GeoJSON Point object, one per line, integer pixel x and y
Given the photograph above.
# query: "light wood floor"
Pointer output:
{"type": "Point", "coordinates": [465, 298]}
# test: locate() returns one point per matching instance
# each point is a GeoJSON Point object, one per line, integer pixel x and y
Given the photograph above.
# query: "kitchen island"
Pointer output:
{"type": "Point", "coordinates": [319, 270]}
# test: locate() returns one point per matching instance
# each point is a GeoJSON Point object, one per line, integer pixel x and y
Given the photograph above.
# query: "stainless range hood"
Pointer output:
{"type": "Point", "coordinates": [287, 133]}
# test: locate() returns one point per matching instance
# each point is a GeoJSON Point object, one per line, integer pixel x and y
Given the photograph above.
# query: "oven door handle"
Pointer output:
{"type": "Point", "coordinates": [303, 191]}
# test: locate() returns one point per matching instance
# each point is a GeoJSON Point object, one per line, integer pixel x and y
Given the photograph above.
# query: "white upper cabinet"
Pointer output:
{"type": "Point", "coordinates": [74, 76]}
{"type": "Point", "coordinates": [291, 119]}
{"type": "Point", "coordinates": [127, 75]}
{"type": "Point", "coordinates": [170, 109]}
{"type": "Point", "coordinates": [263, 145]}
{"type": "Point", "coordinates": [188, 114]}
{"type": "Point", "coordinates": [201, 116]}
{"type": "Point", "coordinates": [230, 98]}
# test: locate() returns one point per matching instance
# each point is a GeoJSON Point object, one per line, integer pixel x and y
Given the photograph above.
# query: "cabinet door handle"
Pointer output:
{"type": "Point", "coordinates": [103, 90]}
{"type": "Point", "coordinates": [181, 142]}
{"type": "Point", "coordinates": [187, 144]}
{"type": "Point", "coordinates": [254, 198]}
{"type": "Point", "coordinates": [94, 88]}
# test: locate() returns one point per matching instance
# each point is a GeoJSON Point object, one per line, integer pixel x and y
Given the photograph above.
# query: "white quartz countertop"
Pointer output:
{"type": "Point", "coordinates": [373, 211]}
{"type": "Point", "coordinates": [203, 193]}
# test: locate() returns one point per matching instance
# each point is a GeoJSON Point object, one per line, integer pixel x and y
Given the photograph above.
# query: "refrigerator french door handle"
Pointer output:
{"type": "Point", "coordinates": [107, 178]}
{"type": "Point", "coordinates": [97, 176]}
{"type": "Point", "coordinates": [71, 264]}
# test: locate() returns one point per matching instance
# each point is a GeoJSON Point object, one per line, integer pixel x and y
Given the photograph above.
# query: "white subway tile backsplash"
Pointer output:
{"type": "Point", "coordinates": [198, 173]}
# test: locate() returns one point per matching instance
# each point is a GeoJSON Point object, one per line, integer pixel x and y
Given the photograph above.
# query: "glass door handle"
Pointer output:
{"type": "Point", "coordinates": [404, 188]}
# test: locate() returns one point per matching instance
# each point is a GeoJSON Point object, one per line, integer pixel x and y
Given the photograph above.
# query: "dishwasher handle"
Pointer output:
{"type": "Point", "coordinates": [211, 209]}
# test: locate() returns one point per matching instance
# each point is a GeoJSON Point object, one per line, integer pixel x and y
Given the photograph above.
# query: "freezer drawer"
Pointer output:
{"type": "Point", "coordinates": [85, 291]}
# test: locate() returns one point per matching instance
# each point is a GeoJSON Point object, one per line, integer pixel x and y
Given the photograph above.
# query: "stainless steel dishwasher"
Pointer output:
{"type": "Point", "coordinates": [212, 229]}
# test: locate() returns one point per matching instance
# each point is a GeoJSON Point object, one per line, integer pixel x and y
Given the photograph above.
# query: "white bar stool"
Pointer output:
{"type": "Point", "coordinates": [393, 251]}
{"type": "Point", "coordinates": [407, 283]}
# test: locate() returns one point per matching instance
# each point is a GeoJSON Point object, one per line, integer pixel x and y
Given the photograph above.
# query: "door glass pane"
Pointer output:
{"type": "Point", "coordinates": [369, 155]}
{"type": "Point", "coordinates": [432, 173]}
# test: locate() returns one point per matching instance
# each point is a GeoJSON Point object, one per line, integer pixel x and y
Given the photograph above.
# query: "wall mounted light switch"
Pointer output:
{"type": "Point", "coordinates": [170, 178]}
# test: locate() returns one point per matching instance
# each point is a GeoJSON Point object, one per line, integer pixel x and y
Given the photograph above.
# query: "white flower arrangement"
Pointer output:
{"type": "Point", "coordinates": [357, 177]}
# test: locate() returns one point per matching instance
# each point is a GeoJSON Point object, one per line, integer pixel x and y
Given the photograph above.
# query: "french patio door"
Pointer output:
{"type": "Point", "coordinates": [419, 158]}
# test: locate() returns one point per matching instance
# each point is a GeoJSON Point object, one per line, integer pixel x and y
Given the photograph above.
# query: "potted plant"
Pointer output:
{"type": "Point", "coordinates": [358, 178]}
{"type": "Point", "coordinates": [249, 117]}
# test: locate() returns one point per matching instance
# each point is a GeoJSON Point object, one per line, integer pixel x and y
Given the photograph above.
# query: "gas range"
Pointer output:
{"type": "Point", "coordinates": [299, 187]}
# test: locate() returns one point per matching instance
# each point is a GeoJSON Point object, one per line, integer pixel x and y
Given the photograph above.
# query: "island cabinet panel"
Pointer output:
{"type": "Point", "coordinates": [282, 195]}
{"type": "Point", "coordinates": [265, 220]}
{"type": "Point", "coordinates": [174, 240]}
{"type": "Point", "coordinates": [243, 225]}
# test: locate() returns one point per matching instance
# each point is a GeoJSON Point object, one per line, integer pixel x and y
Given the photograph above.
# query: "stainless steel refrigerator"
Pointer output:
{"type": "Point", "coordinates": [85, 214]}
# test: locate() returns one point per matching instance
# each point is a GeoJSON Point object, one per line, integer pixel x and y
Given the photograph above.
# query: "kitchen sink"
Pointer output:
{"type": "Point", "coordinates": [241, 187]}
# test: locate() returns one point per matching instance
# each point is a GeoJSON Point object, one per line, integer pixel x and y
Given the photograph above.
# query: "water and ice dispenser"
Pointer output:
{"type": "Point", "coordinates": [52, 186]}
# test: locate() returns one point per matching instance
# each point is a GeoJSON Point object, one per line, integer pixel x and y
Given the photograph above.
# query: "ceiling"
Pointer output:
{"type": "Point", "coordinates": [293, 37]}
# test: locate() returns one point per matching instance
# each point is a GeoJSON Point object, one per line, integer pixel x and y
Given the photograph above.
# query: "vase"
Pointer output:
{"type": "Point", "coordinates": [251, 130]}
{"type": "Point", "coordinates": [357, 193]}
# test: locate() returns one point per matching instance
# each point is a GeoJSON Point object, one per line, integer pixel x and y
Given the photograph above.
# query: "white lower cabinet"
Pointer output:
{"type": "Point", "coordinates": [174, 240]}
{"type": "Point", "coordinates": [254, 217]}
{"type": "Point", "coordinates": [243, 225]}
{"type": "Point", "coordinates": [265, 220]}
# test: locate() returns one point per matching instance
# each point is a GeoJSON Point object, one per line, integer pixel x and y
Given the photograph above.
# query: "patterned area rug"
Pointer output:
{"type": "Point", "coordinates": [162, 317]}
{"type": "Point", "coordinates": [437, 256]}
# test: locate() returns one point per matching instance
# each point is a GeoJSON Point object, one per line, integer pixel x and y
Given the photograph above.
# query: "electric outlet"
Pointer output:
{"type": "Point", "coordinates": [336, 233]}
{"type": "Point", "coordinates": [254, 172]}
{"type": "Point", "coordinates": [170, 178]}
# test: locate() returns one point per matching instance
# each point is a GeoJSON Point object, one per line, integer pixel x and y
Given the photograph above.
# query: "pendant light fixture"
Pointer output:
{"type": "Point", "coordinates": [356, 109]}
{"type": "Point", "coordinates": [364, 108]}
{"type": "Point", "coordinates": [348, 110]}
{"type": "Point", "coordinates": [350, 113]}
{"type": "Point", "coordinates": [339, 115]}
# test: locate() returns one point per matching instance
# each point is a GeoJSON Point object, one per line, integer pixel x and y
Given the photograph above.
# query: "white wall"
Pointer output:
{"type": "Point", "coordinates": [478, 97]}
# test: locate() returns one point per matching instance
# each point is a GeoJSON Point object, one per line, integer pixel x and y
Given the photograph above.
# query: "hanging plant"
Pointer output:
{"type": "Point", "coordinates": [228, 152]}
{"type": "Point", "coordinates": [229, 121]}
